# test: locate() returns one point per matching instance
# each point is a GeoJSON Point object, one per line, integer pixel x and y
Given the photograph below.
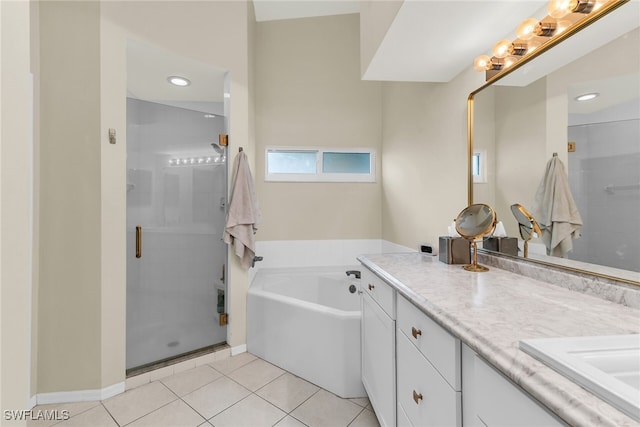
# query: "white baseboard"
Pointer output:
{"type": "Point", "coordinates": [33, 401]}
{"type": "Point", "coordinates": [79, 395]}
{"type": "Point", "coordinates": [238, 349]}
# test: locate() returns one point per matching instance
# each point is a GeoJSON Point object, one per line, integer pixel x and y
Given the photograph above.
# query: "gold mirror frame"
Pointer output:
{"type": "Point", "coordinates": [531, 224]}
{"type": "Point", "coordinates": [588, 20]}
{"type": "Point", "coordinates": [486, 226]}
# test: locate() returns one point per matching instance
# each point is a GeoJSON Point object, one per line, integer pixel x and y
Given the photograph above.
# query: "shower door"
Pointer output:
{"type": "Point", "coordinates": [176, 197]}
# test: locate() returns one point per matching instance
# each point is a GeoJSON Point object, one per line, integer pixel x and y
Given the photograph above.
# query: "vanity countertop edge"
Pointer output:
{"type": "Point", "coordinates": [491, 312]}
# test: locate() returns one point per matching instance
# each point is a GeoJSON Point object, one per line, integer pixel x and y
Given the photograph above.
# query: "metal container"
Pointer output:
{"type": "Point", "coordinates": [454, 250]}
{"type": "Point", "coordinates": [505, 245]}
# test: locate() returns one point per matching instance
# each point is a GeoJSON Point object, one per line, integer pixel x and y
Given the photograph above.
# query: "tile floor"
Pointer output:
{"type": "Point", "coordinates": [242, 390]}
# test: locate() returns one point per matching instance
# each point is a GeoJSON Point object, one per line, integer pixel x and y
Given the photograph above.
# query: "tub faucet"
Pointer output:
{"type": "Point", "coordinates": [355, 273]}
{"type": "Point", "coordinates": [256, 259]}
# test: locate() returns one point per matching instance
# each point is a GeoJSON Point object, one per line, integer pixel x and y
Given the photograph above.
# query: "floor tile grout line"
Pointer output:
{"type": "Point", "coordinates": [148, 413]}
{"type": "Point", "coordinates": [303, 402]}
{"type": "Point", "coordinates": [110, 414]}
{"type": "Point", "coordinates": [354, 418]}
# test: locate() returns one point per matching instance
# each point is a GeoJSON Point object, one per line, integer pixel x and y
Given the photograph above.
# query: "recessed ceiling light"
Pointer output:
{"type": "Point", "coordinates": [178, 81]}
{"type": "Point", "coordinates": [587, 96]}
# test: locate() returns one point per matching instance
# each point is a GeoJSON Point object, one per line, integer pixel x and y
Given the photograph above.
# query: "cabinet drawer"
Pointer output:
{"type": "Point", "coordinates": [424, 396]}
{"type": "Point", "coordinates": [436, 344]}
{"type": "Point", "coordinates": [380, 291]}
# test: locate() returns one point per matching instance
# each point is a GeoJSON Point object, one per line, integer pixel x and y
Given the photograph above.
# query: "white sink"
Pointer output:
{"type": "Point", "coordinates": [607, 366]}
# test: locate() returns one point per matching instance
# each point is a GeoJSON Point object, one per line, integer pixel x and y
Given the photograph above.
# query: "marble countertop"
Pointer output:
{"type": "Point", "coordinates": [491, 312]}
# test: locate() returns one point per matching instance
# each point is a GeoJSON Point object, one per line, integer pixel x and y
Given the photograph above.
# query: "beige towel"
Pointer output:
{"type": "Point", "coordinates": [556, 211]}
{"type": "Point", "coordinates": [244, 212]}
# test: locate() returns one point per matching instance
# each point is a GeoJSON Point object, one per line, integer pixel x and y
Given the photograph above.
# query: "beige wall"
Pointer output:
{"type": "Point", "coordinates": [309, 93]}
{"type": "Point", "coordinates": [69, 321]}
{"type": "Point", "coordinates": [15, 206]}
{"type": "Point", "coordinates": [424, 166]}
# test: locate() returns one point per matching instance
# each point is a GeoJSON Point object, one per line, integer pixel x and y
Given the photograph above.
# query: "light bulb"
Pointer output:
{"type": "Point", "coordinates": [179, 81]}
{"type": "Point", "coordinates": [532, 45]}
{"type": "Point", "coordinates": [587, 96]}
{"type": "Point", "coordinates": [526, 30]}
{"type": "Point", "coordinates": [482, 63]}
{"type": "Point", "coordinates": [509, 62]}
{"type": "Point", "coordinates": [560, 8]}
{"type": "Point", "coordinates": [501, 49]}
{"type": "Point", "coordinates": [561, 26]}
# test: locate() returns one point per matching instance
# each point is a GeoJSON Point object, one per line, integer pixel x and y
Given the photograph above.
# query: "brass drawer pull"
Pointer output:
{"type": "Point", "coordinates": [371, 287]}
{"type": "Point", "coordinates": [417, 397]}
{"type": "Point", "coordinates": [138, 241]}
{"type": "Point", "coordinates": [415, 332]}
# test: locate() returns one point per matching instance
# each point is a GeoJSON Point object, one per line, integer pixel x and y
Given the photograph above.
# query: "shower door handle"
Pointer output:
{"type": "Point", "coordinates": [138, 241]}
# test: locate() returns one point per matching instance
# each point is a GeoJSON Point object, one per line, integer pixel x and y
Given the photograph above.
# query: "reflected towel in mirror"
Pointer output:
{"type": "Point", "coordinates": [556, 211]}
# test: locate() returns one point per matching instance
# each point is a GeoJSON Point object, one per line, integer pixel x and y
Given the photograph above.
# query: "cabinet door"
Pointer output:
{"type": "Point", "coordinates": [424, 395]}
{"type": "Point", "coordinates": [493, 401]}
{"type": "Point", "coordinates": [378, 360]}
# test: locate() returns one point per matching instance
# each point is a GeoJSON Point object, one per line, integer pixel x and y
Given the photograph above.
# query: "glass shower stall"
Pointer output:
{"type": "Point", "coordinates": [176, 209]}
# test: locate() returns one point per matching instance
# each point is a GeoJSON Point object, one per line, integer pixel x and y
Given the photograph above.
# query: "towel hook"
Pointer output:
{"type": "Point", "coordinates": [239, 149]}
{"type": "Point", "coordinates": [555, 154]}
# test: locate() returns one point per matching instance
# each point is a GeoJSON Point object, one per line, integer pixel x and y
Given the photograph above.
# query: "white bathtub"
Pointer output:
{"type": "Point", "coordinates": [306, 321]}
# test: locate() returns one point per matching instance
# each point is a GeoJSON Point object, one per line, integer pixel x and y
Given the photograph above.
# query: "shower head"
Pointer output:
{"type": "Point", "coordinates": [219, 149]}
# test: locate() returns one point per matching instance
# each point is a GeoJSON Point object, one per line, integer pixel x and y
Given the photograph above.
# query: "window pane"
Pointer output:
{"type": "Point", "coordinates": [475, 164]}
{"type": "Point", "coordinates": [346, 162]}
{"type": "Point", "coordinates": [291, 161]}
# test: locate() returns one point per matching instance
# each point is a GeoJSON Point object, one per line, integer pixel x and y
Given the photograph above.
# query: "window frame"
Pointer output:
{"type": "Point", "coordinates": [319, 175]}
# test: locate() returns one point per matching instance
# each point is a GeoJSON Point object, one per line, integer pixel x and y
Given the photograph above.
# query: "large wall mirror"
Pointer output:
{"type": "Point", "coordinates": [519, 120]}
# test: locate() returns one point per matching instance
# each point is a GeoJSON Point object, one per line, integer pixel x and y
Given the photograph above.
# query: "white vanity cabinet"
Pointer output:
{"type": "Point", "coordinates": [428, 368]}
{"type": "Point", "coordinates": [491, 400]}
{"type": "Point", "coordinates": [378, 346]}
{"type": "Point", "coordinates": [417, 374]}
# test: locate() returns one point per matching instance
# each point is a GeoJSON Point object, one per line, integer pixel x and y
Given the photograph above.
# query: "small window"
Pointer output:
{"type": "Point", "coordinates": [319, 165]}
{"type": "Point", "coordinates": [291, 162]}
{"type": "Point", "coordinates": [346, 162]}
{"type": "Point", "coordinates": [478, 167]}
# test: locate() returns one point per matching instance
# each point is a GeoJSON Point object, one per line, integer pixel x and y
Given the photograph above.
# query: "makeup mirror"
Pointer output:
{"type": "Point", "coordinates": [473, 223]}
{"type": "Point", "coordinates": [528, 226]}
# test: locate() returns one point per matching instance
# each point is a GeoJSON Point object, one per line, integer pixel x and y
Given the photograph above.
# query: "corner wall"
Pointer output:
{"type": "Point", "coordinates": [70, 198]}
{"type": "Point", "coordinates": [15, 206]}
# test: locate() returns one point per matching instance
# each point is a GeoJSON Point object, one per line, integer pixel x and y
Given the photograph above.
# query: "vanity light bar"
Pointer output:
{"type": "Point", "coordinates": [531, 33]}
